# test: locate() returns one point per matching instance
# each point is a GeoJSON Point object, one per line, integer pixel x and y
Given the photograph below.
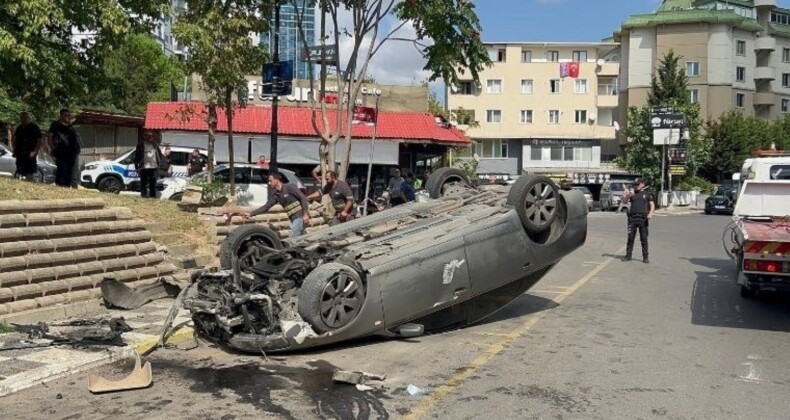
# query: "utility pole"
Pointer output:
{"type": "Point", "coordinates": [275, 88]}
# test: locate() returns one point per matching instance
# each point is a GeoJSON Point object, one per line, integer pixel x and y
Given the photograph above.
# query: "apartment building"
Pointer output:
{"type": "Point", "coordinates": [291, 41]}
{"type": "Point", "coordinates": [736, 54]}
{"type": "Point", "coordinates": [535, 117]}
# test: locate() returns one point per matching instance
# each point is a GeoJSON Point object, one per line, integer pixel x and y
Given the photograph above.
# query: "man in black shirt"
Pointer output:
{"type": "Point", "coordinates": [641, 211]}
{"type": "Point", "coordinates": [293, 201]}
{"type": "Point", "coordinates": [27, 141]}
{"type": "Point", "coordinates": [196, 163]}
{"type": "Point", "coordinates": [340, 195]}
{"type": "Point", "coordinates": [65, 149]}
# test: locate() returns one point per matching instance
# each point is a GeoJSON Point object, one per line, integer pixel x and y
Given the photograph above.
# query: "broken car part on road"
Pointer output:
{"type": "Point", "coordinates": [141, 377]}
{"type": "Point", "coordinates": [90, 332]}
{"type": "Point", "coordinates": [420, 267]}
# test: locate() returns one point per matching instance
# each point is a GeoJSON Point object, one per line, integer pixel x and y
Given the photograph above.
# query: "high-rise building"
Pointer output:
{"type": "Point", "coordinates": [736, 55]}
{"type": "Point", "coordinates": [291, 41]}
{"type": "Point", "coordinates": [543, 107]}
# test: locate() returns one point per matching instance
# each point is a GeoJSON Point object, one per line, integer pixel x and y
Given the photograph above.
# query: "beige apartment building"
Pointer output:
{"type": "Point", "coordinates": [736, 54]}
{"type": "Point", "coordinates": [534, 120]}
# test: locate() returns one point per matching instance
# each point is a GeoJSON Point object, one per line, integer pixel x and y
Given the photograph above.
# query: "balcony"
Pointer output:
{"type": "Point", "coordinates": [764, 99]}
{"type": "Point", "coordinates": [609, 69]}
{"type": "Point", "coordinates": [764, 73]}
{"type": "Point", "coordinates": [765, 43]}
{"type": "Point", "coordinates": [607, 101]}
{"type": "Point", "coordinates": [765, 3]}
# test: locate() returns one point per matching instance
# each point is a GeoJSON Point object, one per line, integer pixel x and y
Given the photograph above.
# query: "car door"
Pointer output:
{"type": "Point", "coordinates": [178, 161]}
{"type": "Point", "coordinates": [243, 196]}
{"type": "Point", "coordinates": [129, 171]}
{"type": "Point", "coordinates": [259, 186]}
{"type": "Point", "coordinates": [7, 162]}
{"type": "Point", "coordinates": [497, 254]}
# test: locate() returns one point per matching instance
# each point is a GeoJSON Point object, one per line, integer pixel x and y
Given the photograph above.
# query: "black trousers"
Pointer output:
{"type": "Point", "coordinates": [65, 164]}
{"type": "Point", "coordinates": [148, 183]}
{"type": "Point", "coordinates": [637, 222]}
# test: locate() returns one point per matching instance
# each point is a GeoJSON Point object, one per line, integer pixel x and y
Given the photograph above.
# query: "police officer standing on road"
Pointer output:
{"type": "Point", "coordinates": [641, 211]}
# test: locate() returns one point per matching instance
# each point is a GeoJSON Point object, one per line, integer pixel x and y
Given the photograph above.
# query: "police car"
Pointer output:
{"type": "Point", "coordinates": [120, 174]}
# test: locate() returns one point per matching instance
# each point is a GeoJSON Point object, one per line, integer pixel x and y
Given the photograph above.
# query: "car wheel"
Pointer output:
{"type": "Point", "coordinates": [537, 202]}
{"type": "Point", "coordinates": [331, 297]}
{"type": "Point", "coordinates": [110, 184]}
{"type": "Point", "coordinates": [176, 197]}
{"type": "Point", "coordinates": [250, 243]}
{"type": "Point", "coordinates": [445, 181]}
{"type": "Point", "coordinates": [707, 211]}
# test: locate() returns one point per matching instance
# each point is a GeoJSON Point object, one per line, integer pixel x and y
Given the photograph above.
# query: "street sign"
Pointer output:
{"type": "Point", "coordinates": [678, 155]}
{"type": "Point", "coordinates": [666, 136]}
{"type": "Point", "coordinates": [677, 170]}
{"type": "Point", "coordinates": [661, 110]}
{"type": "Point", "coordinates": [364, 115]}
{"type": "Point", "coordinates": [285, 79]}
{"type": "Point", "coordinates": [667, 121]}
{"type": "Point", "coordinates": [314, 54]}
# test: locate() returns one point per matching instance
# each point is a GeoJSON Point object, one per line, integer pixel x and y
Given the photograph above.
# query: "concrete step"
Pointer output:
{"type": "Point", "coordinates": [189, 262]}
{"type": "Point", "coordinates": [22, 248]}
{"type": "Point", "coordinates": [62, 231]}
{"type": "Point", "coordinates": [22, 220]}
{"type": "Point", "coordinates": [57, 259]}
{"type": "Point", "coordinates": [49, 206]}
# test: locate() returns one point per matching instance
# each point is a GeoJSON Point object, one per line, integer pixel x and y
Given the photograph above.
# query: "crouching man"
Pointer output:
{"type": "Point", "coordinates": [340, 195]}
{"type": "Point", "coordinates": [291, 199]}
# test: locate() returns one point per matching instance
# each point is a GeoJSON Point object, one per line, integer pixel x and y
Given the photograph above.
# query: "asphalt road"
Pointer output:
{"type": "Point", "coordinates": [596, 338]}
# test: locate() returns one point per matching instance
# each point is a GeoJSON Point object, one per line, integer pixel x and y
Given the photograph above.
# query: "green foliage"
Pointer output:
{"type": "Point", "coordinates": [733, 138]}
{"type": "Point", "coordinates": [4, 329]}
{"type": "Point", "coordinates": [669, 89]}
{"type": "Point", "coordinates": [41, 69]}
{"type": "Point", "coordinates": [469, 166]}
{"type": "Point", "coordinates": [691, 183]}
{"type": "Point", "coordinates": [211, 189]}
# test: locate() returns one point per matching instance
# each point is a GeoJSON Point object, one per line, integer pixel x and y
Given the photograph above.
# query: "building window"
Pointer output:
{"type": "Point", "coordinates": [497, 55]}
{"type": "Point", "coordinates": [494, 116]}
{"type": "Point", "coordinates": [740, 74]}
{"type": "Point", "coordinates": [694, 96]}
{"type": "Point", "coordinates": [492, 148]}
{"type": "Point", "coordinates": [579, 56]}
{"type": "Point", "coordinates": [494, 86]}
{"type": "Point", "coordinates": [526, 116]}
{"type": "Point", "coordinates": [785, 79]}
{"type": "Point", "coordinates": [555, 85]}
{"type": "Point", "coordinates": [780, 18]}
{"type": "Point", "coordinates": [466, 88]}
{"type": "Point", "coordinates": [785, 106]}
{"type": "Point", "coordinates": [580, 116]}
{"type": "Point", "coordinates": [553, 56]}
{"type": "Point", "coordinates": [740, 100]}
{"type": "Point", "coordinates": [580, 86]}
{"type": "Point", "coordinates": [786, 55]}
{"type": "Point", "coordinates": [526, 56]}
{"type": "Point", "coordinates": [554, 116]}
{"type": "Point", "coordinates": [692, 68]}
{"type": "Point", "coordinates": [527, 86]}
{"type": "Point", "coordinates": [740, 48]}
{"type": "Point", "coordinates": [536, 153]}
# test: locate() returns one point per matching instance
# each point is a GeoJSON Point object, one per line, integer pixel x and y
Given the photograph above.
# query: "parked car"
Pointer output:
{"type": "Point", "coordinates": [587, 195]}
{"type": "Point", "coordinates": [118, 175]}
{"type": "Point", "coordinates": [612, 193]}
{"type": "Point", "coordinates": [721, 201]}
{"type": "Point", "coordinates": [252, 187]}
{"type": "Point", "coordinates": [420, 267]}
{"type": "Point", "coordinates": [46, 168]}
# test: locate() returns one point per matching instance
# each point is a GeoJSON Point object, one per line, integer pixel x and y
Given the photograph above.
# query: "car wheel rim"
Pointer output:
{"type": "Point", "coordinates": [541, 204]}
{"type": "Point", "coordinates": [113, 186]}
{"type": "Point", "coordinates": [253, 250]}
{"type": "Point", "coordinates": [341, 300]}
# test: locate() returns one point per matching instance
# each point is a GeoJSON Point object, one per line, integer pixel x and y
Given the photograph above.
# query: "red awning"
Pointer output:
{"type": "Point", "coordinates": [255, 119]}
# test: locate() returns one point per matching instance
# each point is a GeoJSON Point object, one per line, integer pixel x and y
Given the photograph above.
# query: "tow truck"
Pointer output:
{"type": "Point", "coordinates": [760, 230]}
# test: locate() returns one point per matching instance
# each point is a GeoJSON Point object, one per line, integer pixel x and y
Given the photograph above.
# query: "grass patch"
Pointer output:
{"type": "Point", "coordinates": [163, 212]}
{"type": "Point", "coordinates": [5, 329]}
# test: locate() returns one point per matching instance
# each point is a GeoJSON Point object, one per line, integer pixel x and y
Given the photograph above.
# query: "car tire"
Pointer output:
{"type": "Point", "coordinates": [176, 197]}
{"type": "Point", "coordinates": [707, 211]}
{"type": "Point", "coordinates": [331, 297]}
{"type": "Point", "coordinates": [439, 180]}
{"type": "Point", "coordinates": [110, 184]}
{"type": "Point", "coordinates": [239, 241]}
{"type": "Point", "coordinates": [536, 199]}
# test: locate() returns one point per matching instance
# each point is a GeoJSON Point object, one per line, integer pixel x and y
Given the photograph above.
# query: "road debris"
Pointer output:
{"type": "Point", "coordinates": [119, 295]}
{"type": "Point", "coordinates": [141, 377]}
{"type": "Point", "coordinates": [414, 390]}
{"type": "Point", "coordinates": [109, 332]}
{"type": "Point", "coordinates": [364, 388]}
{"type": "Point", "coordinates": [355, 378]}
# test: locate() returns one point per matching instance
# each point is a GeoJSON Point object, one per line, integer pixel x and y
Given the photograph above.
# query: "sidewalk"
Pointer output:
{"type": "Point", "coordinates": [20, 369]}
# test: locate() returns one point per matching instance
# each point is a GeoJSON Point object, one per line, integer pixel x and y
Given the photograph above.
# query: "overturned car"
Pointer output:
{"type": "Point", "coordinates": [421, 267]}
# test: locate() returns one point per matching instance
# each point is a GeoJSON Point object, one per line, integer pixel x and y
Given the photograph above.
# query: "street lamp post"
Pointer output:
{"type": "Point", "coordinates": [370, 162]}
{"type": "Point", "coordinates": [275, 88]}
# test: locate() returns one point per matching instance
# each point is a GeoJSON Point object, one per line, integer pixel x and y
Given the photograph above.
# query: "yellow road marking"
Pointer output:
{"type": "Point", "coordinates": [492, 351]}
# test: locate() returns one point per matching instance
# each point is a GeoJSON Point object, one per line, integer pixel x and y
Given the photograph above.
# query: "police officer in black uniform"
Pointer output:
{"type": "Point", "coordinates": [640, 212]}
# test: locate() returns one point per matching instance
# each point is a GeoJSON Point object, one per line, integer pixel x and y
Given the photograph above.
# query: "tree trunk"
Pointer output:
{"type": "Point", "coordinates": [229, 115]}
{"type": "Point", "coordinates": [212, 129]}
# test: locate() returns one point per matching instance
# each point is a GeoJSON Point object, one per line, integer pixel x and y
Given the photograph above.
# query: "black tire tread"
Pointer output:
{"type": "Point", "coordinates": [434, 183]}
{"type": "Point", "coordinates": [518, 193]}
{"type": "Point", "coordinates": [104, 179]}
{"type": "Point", "coordinates": [313, 286]}
{"type": "Point", "coordinates": [235, 237]}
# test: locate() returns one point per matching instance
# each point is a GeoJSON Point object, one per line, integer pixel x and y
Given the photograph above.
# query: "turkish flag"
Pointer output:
{"type": "Point", "coordinates": [573, 70]}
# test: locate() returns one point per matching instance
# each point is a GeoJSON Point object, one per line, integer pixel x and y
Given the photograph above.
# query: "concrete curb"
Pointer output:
{"type": "Point", "coordinates": [24, 380]}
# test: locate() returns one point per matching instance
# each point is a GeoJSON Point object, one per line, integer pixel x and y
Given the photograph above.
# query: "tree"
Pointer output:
{"type": "Point", "coordinates": [733, 138]}
{"type": "Point", "coordinates": [137, 72]}
{"type": "Point", "coordinates": [221, 51]}
{"type": "Point", "coordinates": [446, 32]}
{"type": "Point", "coordinates": [41, 67]}
{"type": "Point", "coordinates": [668, 88]}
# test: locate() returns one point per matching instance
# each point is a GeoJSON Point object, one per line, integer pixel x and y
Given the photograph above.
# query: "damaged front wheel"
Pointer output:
{"type": "Point", "coordinates": [331, 297]}
{"type": "Point", "coordinates": [250, 243]}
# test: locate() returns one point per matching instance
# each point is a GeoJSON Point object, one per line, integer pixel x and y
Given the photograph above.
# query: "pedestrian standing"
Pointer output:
{"type": "Point", "coordinates": [394, 188]}
{"type": "Point", "coordinates": [340, 196]}
{"type": "Point", "coordinates": [196, 163]}
{"type": "Point", "coordinates": [167, 166]}
{"type": "Point", "coordinates": [407, 191]}
{"type": "Point", "coordinates": [148, 159]}
{"type": "Point", "coordinates": [66, 147]}
{"type": "Point", "coordinates": [291, 198]}
{"type": "Point", "coordinates": [640, 212]}
{"type": "Point", "coordinates": [27, 142]}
